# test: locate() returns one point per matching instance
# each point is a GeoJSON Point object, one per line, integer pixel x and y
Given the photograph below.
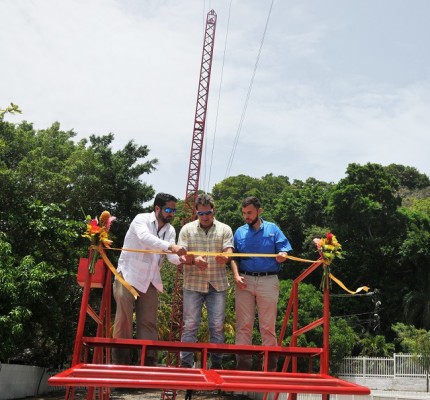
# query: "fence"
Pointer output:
{"type": "Point", "coordinates": [398, 366]}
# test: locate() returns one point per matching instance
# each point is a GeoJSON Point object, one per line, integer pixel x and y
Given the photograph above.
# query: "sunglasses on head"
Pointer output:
{"type": "Point", "coordinates": [169, 210]}
{"type": "Point", "coordinates": [209, 212]}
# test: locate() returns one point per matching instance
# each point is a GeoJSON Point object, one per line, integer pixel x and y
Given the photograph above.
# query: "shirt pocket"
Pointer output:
{"type": "Point", "coordinates": [239, 244]}
{"type": "Point", "coordinates": [138, 270]}
{"type": "Point", "coordinates": [268, 243]}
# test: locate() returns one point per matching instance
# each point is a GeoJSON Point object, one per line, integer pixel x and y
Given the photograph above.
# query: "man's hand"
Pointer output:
{"type": "Point", "coordinates": [220, 259]}
{"type": "Point", "coordinates": [240, 281]}
{"type": "Point", "coordinates": [179, 250]}
{"type": "Point", "coordinates": [201, 262]}
{"type": "Point", "coordinates": [281, 257]}
{"type": "Point", "coordinates": [187, 259]}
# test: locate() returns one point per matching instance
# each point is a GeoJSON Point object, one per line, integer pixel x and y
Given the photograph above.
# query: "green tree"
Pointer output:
{"type": "Point", "coordinates": [406, 336]}
{"type": "Point", "coordinates": [408, 177]}
{"type": "Point", "coordinates": [375, 346]}
{"type": "Point", "coordinates": [423, 353]}
{"type": "Point", "coordinates": [229, 194]}
{"type": "Point", "coordinates": [415, 261]}
{"type": "Point", "coordinates": [47, 185]}
{"type": "Point", "coordinates": [416, 341]}
{"type": "Point", "coordinates": [12, 109]}
{"type": "Point", "coordinates": [342, 336]}
{"type": "Point", "coordinates": [343, 339]}
{"type": "Point", "coordinates": [299, 206]}
{"type": "Point", "coordinates": [364, 215]}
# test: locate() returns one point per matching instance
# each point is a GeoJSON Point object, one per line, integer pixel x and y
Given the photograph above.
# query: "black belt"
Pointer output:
{"type": "Point", "coordinates": [258, 273]}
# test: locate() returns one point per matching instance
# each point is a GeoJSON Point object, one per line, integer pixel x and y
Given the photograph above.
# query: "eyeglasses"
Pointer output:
{"type": "Point", "coordinates": [200, 213]}
{"type": "Point", "coordinates": [169, 210]}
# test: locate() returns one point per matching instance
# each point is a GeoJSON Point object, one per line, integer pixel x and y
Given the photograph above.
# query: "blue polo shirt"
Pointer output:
{"type": "Point", "coordinates": [268, 239]}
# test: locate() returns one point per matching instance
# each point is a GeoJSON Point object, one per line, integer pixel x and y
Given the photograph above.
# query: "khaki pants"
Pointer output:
{"type": "Point", "coordinates": [146, 307]}
{"type": "Point", "coordinates": [261, 294]}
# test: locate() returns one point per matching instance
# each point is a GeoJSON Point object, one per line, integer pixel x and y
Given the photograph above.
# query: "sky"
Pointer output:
{"type": "Point", "coordinates": [299, 88]}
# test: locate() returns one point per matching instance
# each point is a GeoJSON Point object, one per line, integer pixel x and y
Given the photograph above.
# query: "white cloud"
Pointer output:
{"type": "Point", "coordinates": [337, 82]}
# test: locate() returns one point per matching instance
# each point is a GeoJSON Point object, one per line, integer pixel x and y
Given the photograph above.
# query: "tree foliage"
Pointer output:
{"type": "Point", "coordinates": [379, 214]}
{"type": "Point", "coordinates": [416, 341]}
{"type": "Point", "coordinates": [48, 183]}
{"type": "Point", "coordinates": [375, 346]}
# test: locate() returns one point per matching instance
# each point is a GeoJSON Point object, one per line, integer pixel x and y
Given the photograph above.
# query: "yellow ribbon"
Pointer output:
{"type": "Point", "coordinates": [212, 254]}
{"type": "Point", "coordinates": [101, 251]}
{"type": "Point", "coordinates": [118, 276]}
{"type": "Point", "coordinates": [333, 278]}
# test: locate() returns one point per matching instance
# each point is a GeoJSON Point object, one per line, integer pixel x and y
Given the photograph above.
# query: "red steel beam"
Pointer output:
{"type": "Point", "coordinates": [92, 375]}
{"type": "Point", "coordinates": [200, 117]}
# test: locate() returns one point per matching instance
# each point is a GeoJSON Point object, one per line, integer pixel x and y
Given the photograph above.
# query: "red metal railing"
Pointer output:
{"type": "Point", "coordinates": [91, 359]}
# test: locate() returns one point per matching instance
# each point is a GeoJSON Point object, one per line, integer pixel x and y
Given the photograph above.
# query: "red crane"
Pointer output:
{"type": "Point", "coordinates": [192, 189]}
{"type": "Point", "coordinates": [200, 118]}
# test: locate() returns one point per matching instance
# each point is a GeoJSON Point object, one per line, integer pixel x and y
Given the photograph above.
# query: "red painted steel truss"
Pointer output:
{"type": "Point", "coordinates": [200, 117]}
{"type": "Point", "coordinates": [91, 365]}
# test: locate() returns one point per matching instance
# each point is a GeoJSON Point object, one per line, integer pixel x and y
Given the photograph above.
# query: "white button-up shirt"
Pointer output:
{"type": "Point", "coordinates": [142, 269]}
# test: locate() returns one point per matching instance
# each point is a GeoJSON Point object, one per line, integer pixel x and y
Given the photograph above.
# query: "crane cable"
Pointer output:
{"type": "Point", "coordinates": [242, 117]}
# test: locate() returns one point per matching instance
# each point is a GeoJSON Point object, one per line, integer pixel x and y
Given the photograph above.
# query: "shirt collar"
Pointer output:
{"type": "Point", "coordinates": [260, 227]}
{"type": "Point", "coordinates": [153, 219]}
{"type": "Point", "coordinates": [213, 224]}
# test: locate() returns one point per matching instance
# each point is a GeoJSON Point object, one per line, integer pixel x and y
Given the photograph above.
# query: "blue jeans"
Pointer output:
{"type": "Point", "coordinates": [193, 303]}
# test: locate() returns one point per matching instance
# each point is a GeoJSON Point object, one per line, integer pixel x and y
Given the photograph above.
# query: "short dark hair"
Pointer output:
{"type": "Point", "coordinates": [251, 200]}
{"type": "Point", "coordinates": [162, 198]}
{"type": "Point", "coordinates": [204, 199]}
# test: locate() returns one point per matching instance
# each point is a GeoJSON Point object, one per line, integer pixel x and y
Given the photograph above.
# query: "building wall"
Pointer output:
{"type": "Point", "coordinates": [19, 381]}
{"type": "Point", "coordinates": [404, 384]}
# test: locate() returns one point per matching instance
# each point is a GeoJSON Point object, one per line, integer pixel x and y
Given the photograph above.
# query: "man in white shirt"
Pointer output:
{"type": "Point", "coordinates": [149, 231]}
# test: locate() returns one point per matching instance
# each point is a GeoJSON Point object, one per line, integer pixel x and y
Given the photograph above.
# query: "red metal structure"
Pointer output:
{"type": "Point", "coordinates": [200, 117]}
{"type": "Point", "coordinates": [91, 359]}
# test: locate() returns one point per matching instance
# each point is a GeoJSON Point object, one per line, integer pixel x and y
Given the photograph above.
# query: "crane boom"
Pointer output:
{"type": "Point", "coordinates": [200, 118]}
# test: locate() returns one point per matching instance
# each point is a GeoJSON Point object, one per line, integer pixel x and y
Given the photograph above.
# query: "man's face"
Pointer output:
{"type": "Point", "coordinates": [166, 213]}
{"type": "Point", "coordinates": [205, 214]}
{"type": "Point", "coordinates": [251, 214]}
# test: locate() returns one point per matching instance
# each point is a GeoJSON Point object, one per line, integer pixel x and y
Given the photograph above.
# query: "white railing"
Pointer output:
{"type": "Point", "coordinates": [400, 366]}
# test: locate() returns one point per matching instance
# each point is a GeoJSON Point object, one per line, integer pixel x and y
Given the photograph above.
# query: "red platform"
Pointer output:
{"type": "Point", "coordinates": [100, 375]}
{"type": "Point", "coordinates": [91, 365]}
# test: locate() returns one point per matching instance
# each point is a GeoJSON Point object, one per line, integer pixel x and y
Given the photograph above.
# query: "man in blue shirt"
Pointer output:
{"type": "Point", "coordinates": [256, 278]}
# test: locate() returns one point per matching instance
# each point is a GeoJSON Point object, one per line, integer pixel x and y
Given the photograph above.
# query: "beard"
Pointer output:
{"type": "Point", "coordinates": [254, 221]}
{"type": "Point", "coordinates": [163, 219]}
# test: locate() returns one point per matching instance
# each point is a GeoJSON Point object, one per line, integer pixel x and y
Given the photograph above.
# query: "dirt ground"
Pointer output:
{"type": "Point", "coordinates": [140, 394]}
